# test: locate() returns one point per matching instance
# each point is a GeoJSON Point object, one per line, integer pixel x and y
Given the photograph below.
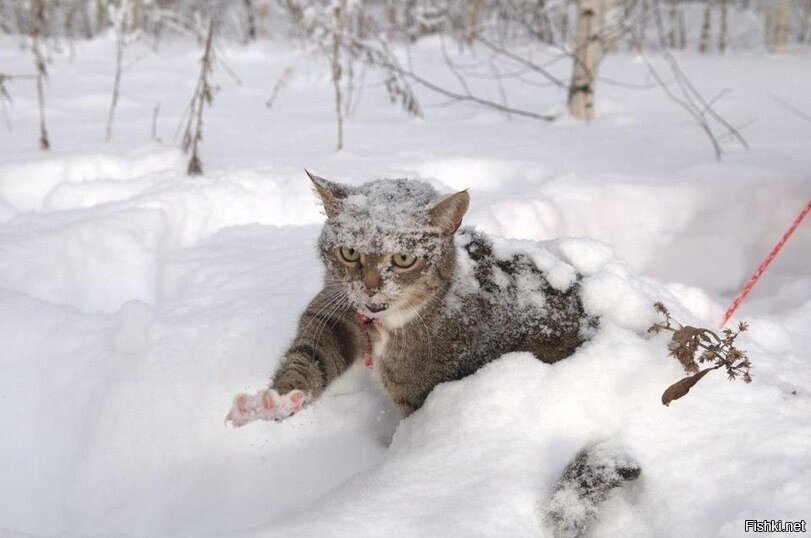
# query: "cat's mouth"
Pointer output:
{"type": "Point", "coordinates": [375, 308]}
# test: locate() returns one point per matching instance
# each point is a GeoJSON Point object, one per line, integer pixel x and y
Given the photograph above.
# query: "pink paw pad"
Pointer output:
{"type": "Point", "coordinates": [265, 405]}
{"type": "Point", "coordinates": [297, 398]}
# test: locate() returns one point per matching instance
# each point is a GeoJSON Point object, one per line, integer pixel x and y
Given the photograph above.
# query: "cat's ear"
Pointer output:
{"type": "Point", "coordinates": [330, 193]}
{"type": "Point", "coordinates": [447, 213]}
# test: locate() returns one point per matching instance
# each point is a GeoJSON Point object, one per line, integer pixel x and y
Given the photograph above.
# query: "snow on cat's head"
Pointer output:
{"type": "Point", "coordinates": [388, 244]}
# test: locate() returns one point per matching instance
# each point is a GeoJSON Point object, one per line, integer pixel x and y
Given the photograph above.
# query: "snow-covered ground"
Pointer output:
{"type": "Point", "coordinates": [136, 301]}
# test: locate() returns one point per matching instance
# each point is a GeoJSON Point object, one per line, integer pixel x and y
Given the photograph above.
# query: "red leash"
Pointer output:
{"type": "Point", "coordinates": [764, 265]}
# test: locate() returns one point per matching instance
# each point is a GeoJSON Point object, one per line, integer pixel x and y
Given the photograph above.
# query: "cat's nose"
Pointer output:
{"type": "Point", "coordinates": [370, 293]}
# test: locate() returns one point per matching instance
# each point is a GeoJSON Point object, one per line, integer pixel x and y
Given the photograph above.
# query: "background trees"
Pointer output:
{"type": "Point", "coordinates": [499, 36]}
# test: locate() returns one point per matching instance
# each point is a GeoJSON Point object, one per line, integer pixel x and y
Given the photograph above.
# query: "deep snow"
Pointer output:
{"type": "Point", "coordinates": [135, 302]}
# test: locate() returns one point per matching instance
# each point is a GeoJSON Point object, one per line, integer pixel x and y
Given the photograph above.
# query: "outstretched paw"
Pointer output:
{"type": "Point", "coordinates": [266, 404]}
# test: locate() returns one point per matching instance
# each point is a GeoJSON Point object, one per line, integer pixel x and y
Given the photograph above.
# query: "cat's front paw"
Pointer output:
{"type": "Point", "coordinates": [266, 404]}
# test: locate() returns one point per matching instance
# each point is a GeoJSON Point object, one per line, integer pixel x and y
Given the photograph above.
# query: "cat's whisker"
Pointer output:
{"type": "Point", "coordinates": [341, 302]}
{"type": "Point", "coordinates": [314, 316]}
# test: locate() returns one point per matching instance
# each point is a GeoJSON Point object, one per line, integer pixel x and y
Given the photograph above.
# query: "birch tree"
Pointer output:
{"type": "Point", "coordinates": [673, 29]}
{"type": "Point", "coordinates": [586, 56]}
{"type": "Point", "coordinates": [704, 44]}
{"type": "Point", "coordinates": [805, 24]}
{"type": "Point", "coordinates": [781, 25]}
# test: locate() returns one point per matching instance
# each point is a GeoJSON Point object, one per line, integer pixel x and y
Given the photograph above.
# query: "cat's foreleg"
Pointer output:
{"type": "Point", "coordinates": [326, 344]}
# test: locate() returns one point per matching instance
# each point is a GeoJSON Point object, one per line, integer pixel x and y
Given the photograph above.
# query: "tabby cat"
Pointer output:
{"type": "Point", "coordinates": [424, 302]}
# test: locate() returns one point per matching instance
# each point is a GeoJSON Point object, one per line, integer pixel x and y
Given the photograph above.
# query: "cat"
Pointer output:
{"type": "Point", "coordinates": [408, 290]}
{"type": "Point", "coordinates": [425, 301]}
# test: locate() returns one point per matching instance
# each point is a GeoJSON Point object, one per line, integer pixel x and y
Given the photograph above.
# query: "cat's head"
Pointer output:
{"type": "Point", "coordinates": [388, 244]}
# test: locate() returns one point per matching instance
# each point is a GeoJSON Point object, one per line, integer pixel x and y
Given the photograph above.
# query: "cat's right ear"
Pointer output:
{"type": "Point", "coordinates": [447, 213]}
{"type": "Point", "coordinates": [330, 193]}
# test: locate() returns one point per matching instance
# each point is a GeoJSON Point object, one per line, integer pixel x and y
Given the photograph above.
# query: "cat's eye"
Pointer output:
{"type": "Point", "coordinates": [403, 261]}
{"type": "Point", "coordinates": [349, 255]}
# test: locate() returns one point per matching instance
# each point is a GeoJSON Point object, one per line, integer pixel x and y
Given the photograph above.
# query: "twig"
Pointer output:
{"type": "Point", "coordinates": [470, 98]}
{"type": "Point", "coordinates": [792, 108]}
{"type": "Point", "coordinates": [523, 61]}
{"type": "Point", "coordinates": [692, 101]}
{"type": "Point", "coordinates": [154, 130]}
{"type": "Point", "coordinates": [674, 65]}
{"type": "Point", "coordinates": [281, 82]}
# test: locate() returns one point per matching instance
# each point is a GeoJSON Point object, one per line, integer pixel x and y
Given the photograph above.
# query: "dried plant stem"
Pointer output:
{"type": "Point", "coordinates": [686, 345]}
{"type": "Point", "coordinates": [37, 29]}
{"type": "Point", "coordinates": [44, 141]}
{"type": "Point", "coordinates": [119, 57]}
{"type": "Point", "coordinates": [154, 130]}
{"type": "Point", "coordinates": [281, 82]}
{"type": "Point", "coordinates": [203, 95]}
{"type": "Point", "coordinates": [335, 61]}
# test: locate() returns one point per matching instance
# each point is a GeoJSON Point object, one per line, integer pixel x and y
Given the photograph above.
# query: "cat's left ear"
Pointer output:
{"type": "Point", "coordinates": [330, 193]}
{"type": "Point", "coordinates": [447, 213]}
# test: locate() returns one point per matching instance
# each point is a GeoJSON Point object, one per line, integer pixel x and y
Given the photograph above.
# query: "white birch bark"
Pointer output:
{"type": "Point", "coordinates": [782, 25]}
{"type": "Point", "coordinates": [586, 56]}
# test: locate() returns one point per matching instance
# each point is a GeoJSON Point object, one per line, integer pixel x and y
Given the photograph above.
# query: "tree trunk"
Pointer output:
{"type": "Point", "coordinates": [782, 25]}
{"type": "Point", "coordinates": [673, 30]}
{"type": "Point", "coordinates": [473, 21]}
{"type": "Point", "coordinates": [101, 16]}
{"type": "Point", "coordinates": [806, 22]}
{"type": "Point", "coordinates": [608, 17]}
{"type": "Point", "coordinates": [250, 15]}
{"type": "Point", "coordinates": [724, 35]}
{"type": "Point", "coordinates": [586, 53]}
{"type": "Point", "coordinates": [704, 45]}
{"type": "Point", "coordinates": [656, 8]}
{"type": "Point", "coordinates": [87, 26]}
{"type": "Point", "coordinates": [392, 19]}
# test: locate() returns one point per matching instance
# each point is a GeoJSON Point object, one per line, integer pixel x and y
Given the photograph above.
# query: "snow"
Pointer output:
{"type": "Point", "coordinates": [136, 302]}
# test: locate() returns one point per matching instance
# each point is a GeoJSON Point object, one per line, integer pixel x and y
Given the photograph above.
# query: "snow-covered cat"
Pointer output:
{"type": "Point", "coordinates": [425, 302]}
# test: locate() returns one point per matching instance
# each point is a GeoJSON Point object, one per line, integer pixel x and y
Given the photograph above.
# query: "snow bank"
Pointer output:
{"type": "Point", "coordinates": [503, 435]}
{"type": "Point", "coordinates": [135, 302]}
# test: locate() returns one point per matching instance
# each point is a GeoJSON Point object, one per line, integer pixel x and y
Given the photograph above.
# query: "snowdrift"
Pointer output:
{"type": "Point", "coordinates": [135, 302]}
